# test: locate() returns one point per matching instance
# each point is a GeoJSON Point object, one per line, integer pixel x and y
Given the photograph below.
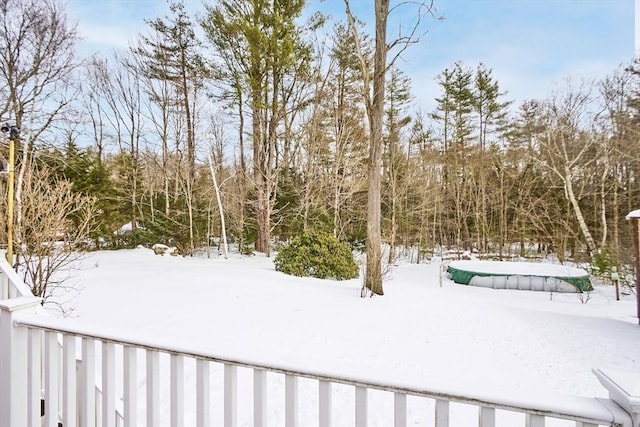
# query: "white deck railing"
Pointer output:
{"type": "Point", "coordinates": [11, 286]}
{"type": "Point", "coordinates": [137, 390]}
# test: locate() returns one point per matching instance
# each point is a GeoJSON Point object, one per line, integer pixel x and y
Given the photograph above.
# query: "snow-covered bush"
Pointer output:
{"type": "Point", "coordinates": [317, 254]}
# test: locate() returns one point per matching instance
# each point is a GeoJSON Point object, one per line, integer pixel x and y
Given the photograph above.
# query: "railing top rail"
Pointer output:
{"type": "Point", "coordinates": [556, 405]}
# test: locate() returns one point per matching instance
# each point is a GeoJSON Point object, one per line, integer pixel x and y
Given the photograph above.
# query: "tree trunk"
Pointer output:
{"type": "Point", "coordinates": [259, 176]}
{"type": "Point", "coordinates": [373, 279]}
{"type": "Point", "coordinates": [568, 185]}
{"type": "Point", "coordinates": [392, 237]}
{"type": "Point", "coordinates": [223, 232]}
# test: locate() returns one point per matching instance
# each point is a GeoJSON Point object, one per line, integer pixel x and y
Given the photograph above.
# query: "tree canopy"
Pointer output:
{"type": "Point", "coordinates": [289, 115]}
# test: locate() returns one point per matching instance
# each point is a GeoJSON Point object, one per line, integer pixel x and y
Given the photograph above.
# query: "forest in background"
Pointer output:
{"type": "Point", "coordinates": [249, 119]}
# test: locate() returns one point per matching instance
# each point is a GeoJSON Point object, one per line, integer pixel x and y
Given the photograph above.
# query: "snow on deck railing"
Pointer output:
{"type": "Point", "coordinates": [165, 395]}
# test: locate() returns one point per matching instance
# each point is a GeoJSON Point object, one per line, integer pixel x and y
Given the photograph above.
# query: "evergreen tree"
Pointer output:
{"type": "Point", "coordinates": [171, 54]}
{"type": "Point", "coordinates": [90, 177]}
{"type": "Point", "coordinates": [264, 46]}
{"type": "Point", "coordinates": [334, 169]}
{"type": "Point", "coordinates": [454, 115]}
{"type": "Point", "coordinates": [491, 114]}
{"type": "Point", "coordinates": [395, 162]}
{"type": "Point", "coordinates": [491, 111]}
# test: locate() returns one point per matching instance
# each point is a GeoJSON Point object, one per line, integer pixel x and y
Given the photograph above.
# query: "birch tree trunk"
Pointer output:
{"type": "Point", "coordinates": [568, 149]}
{"type": "Point", "coordinates": [577, 211]}
{"type": "Point", "coordinates": [225, 247]}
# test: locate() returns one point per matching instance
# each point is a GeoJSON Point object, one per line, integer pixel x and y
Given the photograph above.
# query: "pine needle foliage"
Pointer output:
{"type": "Point", "coordinates": [317, 254]}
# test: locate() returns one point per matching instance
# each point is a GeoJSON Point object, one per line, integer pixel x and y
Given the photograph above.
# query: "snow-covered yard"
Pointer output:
{"type": "Point", "coordinates": [424, 330]}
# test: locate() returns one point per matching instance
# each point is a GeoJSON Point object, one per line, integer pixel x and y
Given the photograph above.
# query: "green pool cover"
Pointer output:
{"type": "Point", "coordinates": [463, 271]}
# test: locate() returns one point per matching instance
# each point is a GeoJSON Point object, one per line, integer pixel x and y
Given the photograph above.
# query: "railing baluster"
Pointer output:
{"type": "Point", "coordinates": [177, 390]}
{"type": "Point", "coordinates": [230, 396]}
{"type": "Point", "coordinates": [52, 360]}
{"type": "Point", "coordinates": [534, 420]}
{"type": "Point", "coordinates": [69, 381]}
{"type": "Point", "coordinates": [324, 403]}
{"type": "Point", "coordinates": [130, 392]}
{"type": "Point", "coordinates": [12, 292]}
{"type": "Point", "coordinates": [108, 384]}
{"type": "Point", "coordinates": [259, 398]}
{"type": "Point", "coordinates": [87, 396]}
{"type": "Point", "coordinates": [487, 417]}
{"type": "Point", "coordinates": [97, 396]}
{"type": "Point", "coordinates": [400, 410]}
{"type": "Point", "coordinates": [34, 369]}
{"type": "Point", "coordinates": [153, 388]}
{"type": "Point", "coordinates": [203, 411]}
{"type": "Point", "coordinates": [442, 413]}
{"type": "Point", "coordinates": [290, 400]}
{"type": "Point", "coordinates": [361, 406]}
{"type": "Point", "coordinates": [4, 287]}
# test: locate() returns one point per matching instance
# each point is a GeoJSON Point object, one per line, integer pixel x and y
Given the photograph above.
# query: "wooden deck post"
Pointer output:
{"type": "Point", "coordinates": [13, 361]}
{"type": "Point", "coordinates": [634, 216]}
{"type": "Point", "coordinates": [624, 389]}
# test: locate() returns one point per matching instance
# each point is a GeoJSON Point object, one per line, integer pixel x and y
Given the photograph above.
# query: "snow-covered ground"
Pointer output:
{"type": "Point", "coordinates": [424, 327]}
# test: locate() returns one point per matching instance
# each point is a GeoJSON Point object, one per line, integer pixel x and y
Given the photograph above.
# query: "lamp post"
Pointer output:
{"type": "Point", "coordinates": [14, 134]}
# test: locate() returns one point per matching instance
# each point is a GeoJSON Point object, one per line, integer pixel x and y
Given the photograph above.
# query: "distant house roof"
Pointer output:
{"type": "Point", "coordinates": [126, 228]}
{"type": "Point", "coordinates": [633, 214]}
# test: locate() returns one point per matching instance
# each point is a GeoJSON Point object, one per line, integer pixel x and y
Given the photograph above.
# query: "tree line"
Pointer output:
{"type": "Point", "coordinates": [249, 95]}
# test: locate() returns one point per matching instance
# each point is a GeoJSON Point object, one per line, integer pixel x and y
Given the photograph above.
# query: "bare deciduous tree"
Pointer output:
{"type": "Point", "coordinates": [36, 66]}
{"type": "Point", "coordinates": [373, 93]}
{"type": "Point", "coordinates": [567, 149]}
{"type": "Point", "coordinates": [56, 226]}
{"type": "Point", "coordinates": [118, 83]}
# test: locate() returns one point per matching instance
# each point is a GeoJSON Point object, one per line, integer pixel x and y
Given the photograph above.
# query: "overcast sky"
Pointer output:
{"type": "Point", "coordinates": [531, 45]}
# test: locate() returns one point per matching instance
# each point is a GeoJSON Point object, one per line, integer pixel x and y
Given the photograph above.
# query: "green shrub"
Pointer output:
{"type": "Point", "coordinates": [317, 254]}
{"type": "Point", "coordinates": [603, 261]}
